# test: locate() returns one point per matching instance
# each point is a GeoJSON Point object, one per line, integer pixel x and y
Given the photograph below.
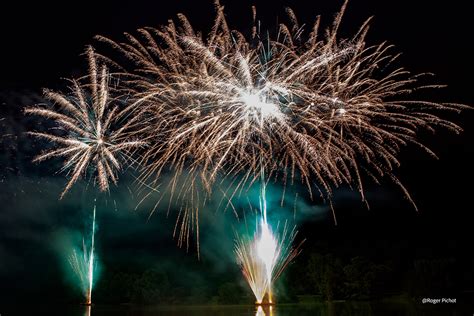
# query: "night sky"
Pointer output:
{"type": "Point", "coordinates": [43, 42]}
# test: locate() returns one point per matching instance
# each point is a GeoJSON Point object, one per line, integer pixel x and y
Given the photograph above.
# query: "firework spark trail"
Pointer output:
{"type": "Point", "coordinates": [93, 128]}
{"type": "Point", "coordinates": [252, 268]}
{"type": "Point", "coordinates": [264, 257]}
{"type": "Point", "coordinates": [268, 253]}
{"type": "Point", "coordinates": [91, 260]}
{"type": "Point", "coordinates": [83, 265]}
{"type": "Point", "coordinates": [265, 251]}
{"type": "Point", "coordinates": [310, 107]}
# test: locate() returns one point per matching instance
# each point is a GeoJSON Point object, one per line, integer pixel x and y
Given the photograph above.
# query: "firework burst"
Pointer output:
{"type": "Point", "coordinates": [296, 105]}
{"type": "Point", "coordinates": [92, 131]}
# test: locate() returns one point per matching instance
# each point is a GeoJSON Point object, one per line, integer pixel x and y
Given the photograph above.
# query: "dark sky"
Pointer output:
{"type": "Point", "coordinates": [41, 42]}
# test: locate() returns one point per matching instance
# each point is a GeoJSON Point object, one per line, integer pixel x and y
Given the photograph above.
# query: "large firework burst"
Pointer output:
{"type": "Point", "coordinates": [92, 127]}
{"type": "Point", "coordinates": [296, 105]}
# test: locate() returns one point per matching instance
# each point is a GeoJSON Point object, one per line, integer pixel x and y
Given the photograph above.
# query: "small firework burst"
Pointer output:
{"type": "Point", "coordinates": [93, 128]}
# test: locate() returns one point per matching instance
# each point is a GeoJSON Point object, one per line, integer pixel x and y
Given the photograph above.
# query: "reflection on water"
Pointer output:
{"type": "Point", "coordinates": [322, 309]}
{"type": "Point", "coordinates": [264, 310]}
{"type": "Point", "coordinates": [88, 310]}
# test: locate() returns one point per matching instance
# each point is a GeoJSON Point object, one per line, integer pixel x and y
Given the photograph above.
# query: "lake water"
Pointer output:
{"type": "Point", "coordinates": [333, 309]}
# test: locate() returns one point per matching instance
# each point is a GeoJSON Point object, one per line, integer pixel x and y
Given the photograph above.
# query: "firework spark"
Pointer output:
{"type": "Point", "coordinates": [83, 264]}
{"type": "Point", "coordinates": [264, 258]}
{"type": "Point", "coordinates": [91, 125]}
{"type": "Point", "coordinates": [299, 105]}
